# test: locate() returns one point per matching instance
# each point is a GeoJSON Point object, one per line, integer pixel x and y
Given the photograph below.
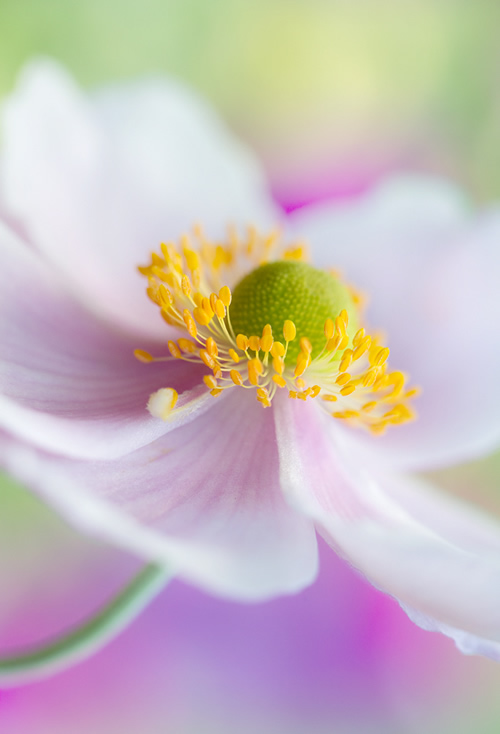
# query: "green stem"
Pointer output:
{"type": "Point", "coordinates": [83, 641]}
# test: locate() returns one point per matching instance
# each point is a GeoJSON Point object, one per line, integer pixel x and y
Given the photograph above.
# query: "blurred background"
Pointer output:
{"type": "Point", "coordinates": [333, 95]}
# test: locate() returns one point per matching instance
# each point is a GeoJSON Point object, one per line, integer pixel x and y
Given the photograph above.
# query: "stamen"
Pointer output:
{"type": "Point", "coordinates": [162, 402]}
{"type": "Point", "coordinates": [348, 368]}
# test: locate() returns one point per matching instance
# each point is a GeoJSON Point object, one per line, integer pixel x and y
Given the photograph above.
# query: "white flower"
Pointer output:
{"type": "Point", "coordinates": [227, 493]}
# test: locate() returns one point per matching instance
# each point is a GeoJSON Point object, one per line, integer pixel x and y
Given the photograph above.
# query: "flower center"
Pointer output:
{"type": "Point", "coordinates": [294, 291]}
{"type": "Point", "coordinates": [287, 326]}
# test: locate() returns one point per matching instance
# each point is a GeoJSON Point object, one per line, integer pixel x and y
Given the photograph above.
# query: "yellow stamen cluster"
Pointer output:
{"type": "Point", "coordinates": [188, 284]}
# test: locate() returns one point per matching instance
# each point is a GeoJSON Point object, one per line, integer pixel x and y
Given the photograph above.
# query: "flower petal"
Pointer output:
{"type": "Point", "coordinates": [432, 274]}
{"type": "Point", "coordinates": [205, 499]}
{"type": "Point", "coordinates": [68, 382]}
{"type": "Point", "coordinates": [99, 183]}
{"type": "Point", "coordinates": [433, 554]}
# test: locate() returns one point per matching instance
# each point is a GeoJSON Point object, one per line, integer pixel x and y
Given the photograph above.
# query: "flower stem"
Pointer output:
{"type": "Point", "coordinates": [83, 641]}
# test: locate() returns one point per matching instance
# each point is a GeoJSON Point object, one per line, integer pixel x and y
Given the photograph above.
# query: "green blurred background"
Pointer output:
{"type": "Point", "coordinates": [332, 94]}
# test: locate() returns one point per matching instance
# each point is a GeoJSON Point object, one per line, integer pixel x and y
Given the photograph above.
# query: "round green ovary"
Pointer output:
{"type": "Point", "coordinates": [291, 290]}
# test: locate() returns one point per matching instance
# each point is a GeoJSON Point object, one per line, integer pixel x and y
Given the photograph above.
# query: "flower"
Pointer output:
{"type": "Point", "coordinates": [227, 493]}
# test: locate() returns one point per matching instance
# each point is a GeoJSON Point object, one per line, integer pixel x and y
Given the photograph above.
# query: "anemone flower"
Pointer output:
{"type": "Point", "coordinates": [184, 374]}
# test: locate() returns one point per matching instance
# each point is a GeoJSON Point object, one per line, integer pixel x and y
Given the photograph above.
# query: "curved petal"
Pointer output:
{"type": "Point", "coordinates": [204, 499]}
{"type": "Point", "coordinates": [432, 273]}
{"type": "Point", "coordinates": [68, 382]}
{"type": "Point", "coordinates": [433, 554]}
{"type": "Point", "coordinates": [100, 182]}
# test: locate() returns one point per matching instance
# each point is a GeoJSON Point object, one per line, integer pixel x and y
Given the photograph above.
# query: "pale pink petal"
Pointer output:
{"type": "Point", "coordinates": [69, 383]}
{"type": "Point", "coordinates": [434, 555]}
{"type": "Point", "coordinates": [100, 182]}
{"type": "Point", "coordinates": [204, 500]}
{"type": "Point", "coordinates": [431, 271]}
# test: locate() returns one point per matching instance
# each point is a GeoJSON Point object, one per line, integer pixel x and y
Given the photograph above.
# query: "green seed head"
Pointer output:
{"type": "Point", "coordinates": [290, 290]}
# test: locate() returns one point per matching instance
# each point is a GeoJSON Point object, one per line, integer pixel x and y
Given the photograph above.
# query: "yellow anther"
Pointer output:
{"type": "Point", "coordinates": [381, 382]}
{"type": "Point", "coordinates": [300, 383]}
{"type": "Point", "coordinates": [347, 389]}
{"type": "Point", "coordinates": [329, 398]}
{"type": "Point", "coordinates": [278, 365]}
{"type": "Point", "coordinates": [315, 390]}
{"type": "Point", "coordinates": [216, 391]}
{"type": "Point", "coordinates": [370, 377]}
{"type": "Point", "coordinates": [378, 356]}
{"type": "Point", "coordinates": [166, 298]}
{"type": "Point", "coordinates": [192, 260]}
{"type": "Point", "coordinates": [289, 330]}
{"type": "Point", "coordinates": [340, 326]}
{"type": "Point", "coordinates": [201, 316]}
{"type": "Point", "coordinates": [234, 356]}
{"type": "Point", "coordinates": [413, 392]}
{"type": "Point", "coordinates": [397, 381]}
{"type": "Point", "coordinates": [253, 371]}
{"type": "Point", "coordinates": [186, 285]}
{"type": "Point", "coordinates": [236, 377]}
{"type": "Point", "coordinates": [190, 323]}
{"type": "Point", "coordinates": [378, 428]}
{"type": "Point", "coordinates": [294, 253]}
{"type": "Point", "coordinates": [381, 357]}
{"type": "Point", "coordinates": [174, 349]}
{"type": "Point", "coordinates": [279, 380]}
{"type": "Point", "coordinates": [154, 295]}
{"type": "Point", "coordinates": [345, 317]}
{"type": "Point", "coordinates": [346, 360]}
{"type": "Point", "coordinates": [362, 347]}
{"type": "Point", "coordinates": [157, 260]}
{"type": "Point", "coordinates": [305, 345]}
{"type": "Point", "coordinates": [267, 330]}
{"type": "Point", "coordinates": [198, 299]}
{"type": "Point", "coordinates": [207, 359]}
{"type": "Point", "coordinates": [225, 295]}
{"type": "Point", "coordinates": [346, 414]}
{"type": "Point", "coordinates": [165, 250]}
{"type": "Point", "coordinates": [343, 378]}
{"type": "Point", "coordinates": [292, 394]}
{"type": "Point", "coordinates": [344, 342]}
{"type": "Point", "coordinates": [333, 344]}
{"type": "Point", "coordinates": [303, 362]}
{"type": "Point", "coordinates": [329, 328]}
{"type": "Point", "coordinates": [399, 414]}
{"type": "Point", "coordinates": [368, 407]}
{"type": "Point", "coordinates": [169, 318]}
{"type": "Point", "coordinates": [277, 350]}
{"type": "Point", "coordinates": [205, 304]}
{"type": "Point", "coordinates": [186, 346]}
{"type": "Point", "coordinates": [162, 402]}
{"type": "Point", "coordinates": [220, 309]}
{"type": "Point", "coordinates": [254, 343]}
{"type": "Point", "coordinates": [262, 392]}
{"type": "Point", "coordinates": [143, 356]}
{"type": "Point", "coordinates": [302, 395]}
{"type": "Point", "coordinates": [265, 402]}
{"type": "Point", "coordinates": [211, 347]}
{"type": "Point", "coordinates": [266, 342]}
{"type": "Point", "coordinates": [213, 301]}
{"type": "Point", "coordinates": [358, 337]}
{"type": "Point", "coordinates": [210, 381]}
{"type": "Point", "coordinates": [242, 342]}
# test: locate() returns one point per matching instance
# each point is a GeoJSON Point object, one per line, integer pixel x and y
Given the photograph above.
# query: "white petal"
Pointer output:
{"type": "Point", "coordinates": [436, 556]}
{"type": "Point", "coordinates": [100, 182]}
{"type": "Point", "coordinates": [431, 271]}
{"type": "Point", "coordinates": [205, 499]}
{"type": "Point", "coordinates": [68, 382]}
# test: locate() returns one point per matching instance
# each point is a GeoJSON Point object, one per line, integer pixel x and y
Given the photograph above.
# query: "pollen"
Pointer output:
{"type": "Point", "coordinates": [256, 316]}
